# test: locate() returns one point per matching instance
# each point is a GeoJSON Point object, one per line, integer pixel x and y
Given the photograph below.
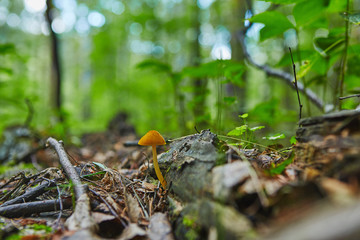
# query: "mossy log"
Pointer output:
{"type": "Point", "coordinates": [198, 191]}
{"type": "Point", "coordinates": [331, 143]}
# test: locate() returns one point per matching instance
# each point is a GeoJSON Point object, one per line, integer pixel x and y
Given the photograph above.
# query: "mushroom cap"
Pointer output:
{"type": "Point", "coordinates": [151, 138]}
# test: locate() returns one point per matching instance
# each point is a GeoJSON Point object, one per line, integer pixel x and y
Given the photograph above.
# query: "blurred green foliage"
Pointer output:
{"type": "Point", "coordinates": [139, 57]}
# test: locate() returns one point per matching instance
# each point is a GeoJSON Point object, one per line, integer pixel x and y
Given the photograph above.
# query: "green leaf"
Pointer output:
{"type": "Point", "coordinates": [275, 24]}
{"type": "Point", "coordinates": [253, 129]}
{"type": "Point", "coordinates": [336, 5]}
{"type": "Point", "coordinates": [353, 18]}
{"type": "Point", "coordinates": [229, 100]}
{"type": "Point", "coordinates": [279, 168]}
{"type": "Point", "coordinates": [293, 140]}
{"type": "Point", "coordinates": [328, 44]}
{"type": "Point", "coordinates": [7, 48]}
{"type": "Point", "coordinates": [6, 70]}
{"type": "Point", "coordinates": [100, 165]}
{"type": "Point", "coordinates": [243, 116]}
{"type": "Point", "coordinates": [155, 64]}
{"type": "Point", "coordinates": [238, 131]}
{"type": "Point", "coordinates": [307, 11]}
{"type": "Point", "coordinates": [275, 136]}
{"type": "Point", "coordinates": [286, 59]}
{"type": "Point", "coordinates": [317, 62]}
{"type": "Point", "coordinates": [232, 70]}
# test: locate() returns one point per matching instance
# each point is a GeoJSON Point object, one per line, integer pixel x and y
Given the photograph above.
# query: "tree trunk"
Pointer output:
{"type": "Point", "coordinates": [55, 63]}
{"type": "Point", "coordinates": [239, 10]}
{"type": "Point", "coordinates": [199, 85]}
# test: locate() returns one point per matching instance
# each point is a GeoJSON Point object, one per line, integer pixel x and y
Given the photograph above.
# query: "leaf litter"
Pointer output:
{"type": "Point", "coordinates": [261, 188]}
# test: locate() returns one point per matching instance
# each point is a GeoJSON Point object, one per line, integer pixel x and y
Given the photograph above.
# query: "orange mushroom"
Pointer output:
{"type": "Point", "coordinates": [153, 138]}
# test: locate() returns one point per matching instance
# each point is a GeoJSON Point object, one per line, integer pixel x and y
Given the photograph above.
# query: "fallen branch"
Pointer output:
{"type": "Point", "coordinates": [81, 218]}
{"type": "Point", "coordinates": [70, 171]}
{"type": "Point", "coordinates": [26, 209]}
{"type": "Point", "coordinates": [32, 194]}
{"type": "Point", "coordinates": [280, 74]}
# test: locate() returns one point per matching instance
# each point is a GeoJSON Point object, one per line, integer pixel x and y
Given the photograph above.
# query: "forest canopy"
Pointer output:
{"type": "Point", "coordinates": [69, 66]}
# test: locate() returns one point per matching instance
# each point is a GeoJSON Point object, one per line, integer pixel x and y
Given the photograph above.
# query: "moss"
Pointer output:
{"type": "Point", "coordinates": [220, 161]}
{"type": "Point", "coordinates": [39, 227]}
{"type": "Point", "coordinates": [189, 221]}
{"type": "Point", "coordinates": [191, 235]}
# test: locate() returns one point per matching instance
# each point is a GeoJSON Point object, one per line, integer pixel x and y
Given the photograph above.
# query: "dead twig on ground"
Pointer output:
{"type": "Point", "coordinates": [254, 178]}
{"type": "Point", "coordinates": [111, 209]}
{"type": "Point", "coordinates": [33, 193]}
{"type": "Point", "coordinates": [81, 218]}
{"type": "Point", "coordinates": [70, 171]}
{"type": "Point", "coordinates": [26, 209]}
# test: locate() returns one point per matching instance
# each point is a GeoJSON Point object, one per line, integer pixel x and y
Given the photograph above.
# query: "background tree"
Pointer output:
{"type": "Point", "coordinates": [149, 57]}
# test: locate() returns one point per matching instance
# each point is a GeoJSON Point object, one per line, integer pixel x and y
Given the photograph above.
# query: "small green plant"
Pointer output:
{"type": "Point", "coordinates": [192, 228]}
{"type": "Point", "coordinates": [276, 169]}
{"type": "Point", "coordinates": [41, 231]}
{"type": "Point", "coordinates": [275, 136]}
{"type": "Point", "coordinates": [244, 132]}
{"type": "Point", "coordinates": [293, 140]}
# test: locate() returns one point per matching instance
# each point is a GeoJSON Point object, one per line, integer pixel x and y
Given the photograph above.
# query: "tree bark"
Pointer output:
{"type": "Point", "coordinates": [55, 62]}
{"type": "Point", "coordinates": [199, 84]}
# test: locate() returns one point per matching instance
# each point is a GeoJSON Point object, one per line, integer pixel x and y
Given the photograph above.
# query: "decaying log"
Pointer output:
{"type": "Point", "coordinates": [330, 143]}
{"type": "Point", "coordinates": [189, 165]}
{"type": "Point", "coordinates": [326, 222]}
{"type": "Point", "coordinates": [327, 124]}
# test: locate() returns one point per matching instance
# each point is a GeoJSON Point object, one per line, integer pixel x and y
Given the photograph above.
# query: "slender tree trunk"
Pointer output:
{"type": "Point", "coordinates": [55, 62]}
{"type": "Point", "coordinates": [199, 97]}
{"type": "Point", "coordinates": [239, 10]}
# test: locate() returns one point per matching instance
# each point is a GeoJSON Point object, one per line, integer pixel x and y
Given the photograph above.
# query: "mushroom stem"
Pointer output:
{"type": "Point", "coordinates": [157, 169]}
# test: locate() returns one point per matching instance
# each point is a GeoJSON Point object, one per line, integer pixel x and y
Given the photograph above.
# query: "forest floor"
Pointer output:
{"type": "Point", "coordinates": [215, 189]}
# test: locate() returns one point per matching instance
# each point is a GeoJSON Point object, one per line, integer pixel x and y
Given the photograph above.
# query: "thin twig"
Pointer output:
{"type": "Point", "coordinates": [30, 114]}
{"type": "Point", "coordinates": [81, 217]}
{"type": "Point", "coordinates": [280, 74]}
{"type": "Point", "coordinates": [13, 179]}
{"type": "Point", "coordinates": [140, 202]}
{"type": "Point", "coordinates": [61, 210]}
{"type": "Point", "coordinates": [350, 96]}
{"type": "Point", "coordinates": [254, 178]}
{"type": "Point", "coordinates": [296, 86]}
{"type": "Point", "coordinates": [33, 193]}
{"type": "Point", "coordinates": [22, 181]}
{"type": "Point", "coordinates": [344, 58]}
{"type": "Point", "coordinates": [111, 209]}
{"type": "Point", "coordinates": [70, 171]}
{"type": "Point", "coordinates": [26, 209]}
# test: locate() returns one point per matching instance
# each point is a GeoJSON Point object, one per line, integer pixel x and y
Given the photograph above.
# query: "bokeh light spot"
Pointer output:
{"type": "Point", "coordinates": [35, 6]}
{"type": "Point", "coordinates": [96, 19]}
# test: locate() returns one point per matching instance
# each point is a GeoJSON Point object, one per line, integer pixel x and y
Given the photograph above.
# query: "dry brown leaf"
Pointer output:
{"type": "Point", "coordinates": [133, 231]}
{"type": "Point", "coordinates": [337, 190]}
{"type": "Point", "coordinates": [148, 186]}
{"type": "Point", "coordinates": [159, 228]}
{"type": "Point", "coordinates": [132, 207]}
{"type": "Point", "coordinates": [228, 176]}
{"type": "Point", "coordinates": [101, 217]}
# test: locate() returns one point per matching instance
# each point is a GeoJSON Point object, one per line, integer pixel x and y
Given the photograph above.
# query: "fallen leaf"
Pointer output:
{"type": "Point", "coordinates": [133, 231]}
